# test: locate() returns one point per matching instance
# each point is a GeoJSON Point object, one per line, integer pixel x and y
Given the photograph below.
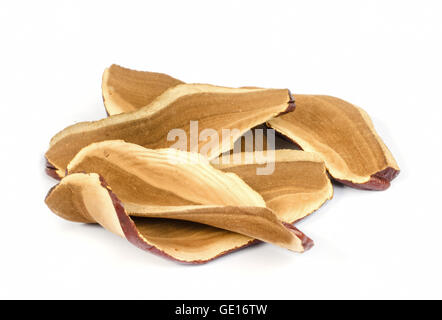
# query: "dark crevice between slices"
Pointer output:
{"type": "Point", "coordinates": [51, 171]}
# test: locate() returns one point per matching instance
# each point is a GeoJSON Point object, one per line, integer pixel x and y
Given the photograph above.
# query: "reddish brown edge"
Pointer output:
{"type": "Point", "coordinates": [51, 170]}
{"type": "Point", "coordinates": [291, 105]}
{"type": "Point", "coordinates": [307, 243]}
{"type": "Point", "coordinates": [132, 235]}
{"type": "Point", "coordinates": [379, 181]}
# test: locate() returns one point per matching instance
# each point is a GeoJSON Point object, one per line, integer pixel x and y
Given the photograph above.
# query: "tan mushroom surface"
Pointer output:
{"type": "Point", "coordinates": [126, 90]}
{"type": "Point", "coordinates": [162, 177]}
{"type": "Point", "coordinates": [341, 133]}
{"type": "Point", "coordinates": [344, 136]}
{"type": "Point", "coordinates": [297, 186]}
{"type": "Point", "coordinates": [215, 108]}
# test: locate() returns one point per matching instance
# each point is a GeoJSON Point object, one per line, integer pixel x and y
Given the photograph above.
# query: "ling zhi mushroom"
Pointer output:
{"type": "Point", "coordinates": [215, 108]}
{"type": "Point", "coordinates": [154, 191]}
{"type": "Point", "coordinates": [341, 133]}
{"type": "Point", "coordinates": [123, 172]}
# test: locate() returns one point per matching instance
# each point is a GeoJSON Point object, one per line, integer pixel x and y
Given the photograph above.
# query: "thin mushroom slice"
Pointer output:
{"type": "Point", "coordinates": [255, 222]}
{"type": "Point", "coordinates": [344, 136]}
{"type": "Point", "coordinates": [222, 115]}
{"type": "Point", "coordinates": [86, 198]}
{"type": "Point", "coordinates": [126, 90]}
{"type": "Point", "coordinates": [296, 185]}
{"type": "Point", "coordinates": [162, 177]}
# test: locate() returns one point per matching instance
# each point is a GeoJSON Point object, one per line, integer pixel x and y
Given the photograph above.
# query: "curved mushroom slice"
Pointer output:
{"type": "Point", "coordinates": [86, 198]}
{"type": "Point", "coordinates": [297, 186]}
{"type": "Point", "coordinates": [166, 177]}
{"type": "Point", "coordinates": [126, 90]}
{"type": "Point", "coordinates": [217, 110]}
{"type": "Point", "coordinates": [256, 222]}
{"type": "Point", "coordinates": [344, 136]}
{"type": "Point", "coordinates": [255, 139]}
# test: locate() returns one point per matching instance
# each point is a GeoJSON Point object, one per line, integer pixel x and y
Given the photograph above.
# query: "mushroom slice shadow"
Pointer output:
{"type": "Point", "coordinates": [86, 198]}
{"type": "Point", "coordinates": [345, 138]}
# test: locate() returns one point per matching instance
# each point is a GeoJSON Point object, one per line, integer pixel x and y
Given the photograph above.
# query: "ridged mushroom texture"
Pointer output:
{"type": "Point", "coordinates": [344, 136]}
{"type": "Point", "coordinates": [338, 131]}
{"type": "Point", "coordinates": [191, 234]}
{"type": "Point", "coordinates": [208, 107]}
{"type": "Point", "coordinates": [126, 90]}
{"type": "Point", "coordinates": [190, 171]}
{"type": "Point", "coordinates": [297, 186]}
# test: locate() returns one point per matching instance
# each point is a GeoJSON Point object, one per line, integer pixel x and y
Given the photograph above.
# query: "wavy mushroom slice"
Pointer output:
{"type": "Point", "coordinates": [344, 136]}
{"type": "Point", "coordinates": [256, 222]}
{"type": "Point", "coordinates": [86, 198]}
{"type": "Point", "coordinates": [217, 109]}
{"type": "Point", "coordinates": [297, 186]}
{"type": "Point", "coordinates": [166, 177]}
{"type": "Point", "coordinates": [126, 90]}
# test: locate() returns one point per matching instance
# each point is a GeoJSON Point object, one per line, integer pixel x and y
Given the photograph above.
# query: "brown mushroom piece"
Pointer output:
{"type": "Point", "coordinates": [126, 90]}
{"type": "Point", "coordinates": [162, 177]}
{"type": "Point", "coordinates": [297, 186]}
{"type": "Point", "coordinates": [215, 108]}
{"type": "Point", "coordinates": [344, 136]}
{"type": "Point", "coordinates": [178, 233]}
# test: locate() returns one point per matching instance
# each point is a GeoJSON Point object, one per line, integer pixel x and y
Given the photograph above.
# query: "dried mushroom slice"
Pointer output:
{"type": "Point", "coordinates": [217, 110]}
{"type": "Point", "coordinates": [297, 186]}
{"type": "Point", "coordinates": [86, 198]}
{"type": "Point", "coordinates": [126, 90]}
{"type": "Point", "coordinates": [344, 136]}
{"type": "Point", "coordinates": [256, 222]}
{"type": "Point", "coordinates": [166, 177]}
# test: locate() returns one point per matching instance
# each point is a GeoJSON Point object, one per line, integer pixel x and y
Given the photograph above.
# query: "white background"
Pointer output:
{"type": "Point", "coordinates": [385, 56]}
